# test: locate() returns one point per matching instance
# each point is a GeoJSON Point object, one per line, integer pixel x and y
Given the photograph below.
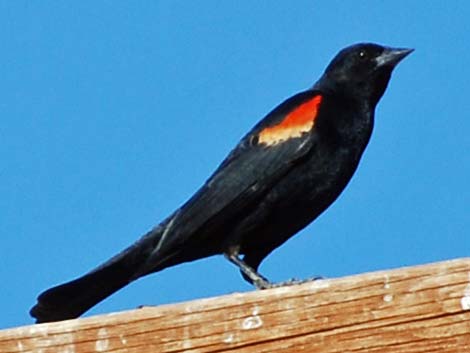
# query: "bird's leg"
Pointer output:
{"type": "Point", "coordinates": [256, 279]}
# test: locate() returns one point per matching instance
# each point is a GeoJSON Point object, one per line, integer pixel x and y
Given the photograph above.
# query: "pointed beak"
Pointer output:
{"type": "Point", "coordinates": [392, 56]}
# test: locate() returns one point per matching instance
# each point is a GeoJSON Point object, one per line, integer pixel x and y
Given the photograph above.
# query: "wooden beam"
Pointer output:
{"type": "Point", "coordinates": [415, 309]}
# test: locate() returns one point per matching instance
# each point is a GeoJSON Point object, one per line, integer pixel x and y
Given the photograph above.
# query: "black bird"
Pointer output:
{"type": "Point", "coordinates": [281, 176]}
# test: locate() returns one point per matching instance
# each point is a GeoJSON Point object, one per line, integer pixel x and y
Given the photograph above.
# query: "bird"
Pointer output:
{"type": "Point", "coordinates": [288, 169]}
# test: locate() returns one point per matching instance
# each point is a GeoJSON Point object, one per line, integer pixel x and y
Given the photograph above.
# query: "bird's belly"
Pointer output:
{"type": "Point", "coordinates": [295, 201]}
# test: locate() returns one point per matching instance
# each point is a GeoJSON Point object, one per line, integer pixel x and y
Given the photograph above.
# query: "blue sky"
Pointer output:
{"type": "Point", "coordinates": [115, 112]}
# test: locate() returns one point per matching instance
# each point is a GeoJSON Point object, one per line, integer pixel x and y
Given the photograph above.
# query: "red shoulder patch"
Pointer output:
{"type": "Point", "coordinates": [297, 122]}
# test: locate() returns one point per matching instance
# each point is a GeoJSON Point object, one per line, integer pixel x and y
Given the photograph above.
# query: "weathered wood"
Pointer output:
{"type": "Point", "coordinates": [415, 309]}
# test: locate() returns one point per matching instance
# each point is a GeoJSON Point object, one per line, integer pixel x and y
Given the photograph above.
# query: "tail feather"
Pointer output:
{"type": "Point", "coordinates": [71, 299]}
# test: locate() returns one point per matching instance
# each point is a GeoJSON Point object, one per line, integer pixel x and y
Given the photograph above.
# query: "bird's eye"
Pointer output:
{"type": "Point", "coordinates": [362, 55]}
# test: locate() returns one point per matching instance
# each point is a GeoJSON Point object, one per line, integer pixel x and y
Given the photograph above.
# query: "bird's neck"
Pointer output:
{"type": "Point", "coordinates": [349, 122]}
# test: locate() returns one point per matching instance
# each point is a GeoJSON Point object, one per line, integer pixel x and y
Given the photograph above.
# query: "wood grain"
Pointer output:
{"type": "Point", "coordinates": [414, 309]}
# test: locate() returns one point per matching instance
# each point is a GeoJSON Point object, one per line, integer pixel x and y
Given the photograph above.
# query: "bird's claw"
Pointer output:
{"type": "Point", "coordinates": [289, 282]}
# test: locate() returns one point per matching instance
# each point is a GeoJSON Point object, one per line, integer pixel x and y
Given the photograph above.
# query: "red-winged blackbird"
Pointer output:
{"type": "Point", "coordinates": [281, 176]}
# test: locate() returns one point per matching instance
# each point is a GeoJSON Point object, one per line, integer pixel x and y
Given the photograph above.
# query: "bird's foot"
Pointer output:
{"type": "Point", "coordinates": [289, 282]}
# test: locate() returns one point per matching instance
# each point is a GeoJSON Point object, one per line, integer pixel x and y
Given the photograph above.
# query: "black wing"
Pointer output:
{"type": "Point", "coordinates": [249, 171]}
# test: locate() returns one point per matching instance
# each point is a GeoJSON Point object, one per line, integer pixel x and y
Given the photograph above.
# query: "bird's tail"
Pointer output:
{"type": "Point", "coordinates": [71, 299]}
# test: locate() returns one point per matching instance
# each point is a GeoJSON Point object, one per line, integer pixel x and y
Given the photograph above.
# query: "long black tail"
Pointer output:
{"type": "Point", "coordinates": [71, 299]}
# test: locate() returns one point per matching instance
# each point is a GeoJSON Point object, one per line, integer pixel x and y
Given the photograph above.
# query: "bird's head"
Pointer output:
{"type": "Point", "coordinates": [362, 70]}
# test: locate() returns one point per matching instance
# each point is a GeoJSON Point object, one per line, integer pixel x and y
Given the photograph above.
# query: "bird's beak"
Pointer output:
{"type": "Point", "coordinates": [392, 56]}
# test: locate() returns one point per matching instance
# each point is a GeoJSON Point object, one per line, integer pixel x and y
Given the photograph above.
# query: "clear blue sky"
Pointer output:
{"type": "Point", "coordinates": [115, 112]}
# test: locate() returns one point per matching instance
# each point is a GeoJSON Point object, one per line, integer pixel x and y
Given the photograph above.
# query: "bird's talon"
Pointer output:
{"type": "Point", "coordinates": [263, 284]}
